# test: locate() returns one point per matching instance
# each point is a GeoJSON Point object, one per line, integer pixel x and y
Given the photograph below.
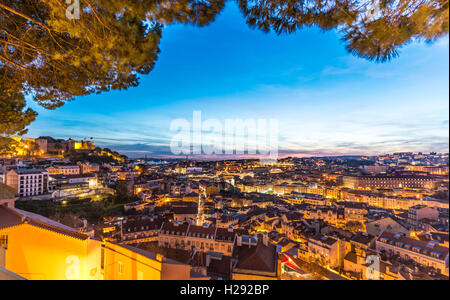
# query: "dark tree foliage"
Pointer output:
{"type": "Point", "coordinates": [371, 29]}
{"type": "Point", "coordinates": [57, 58]}
{"type": "Point", "coordinates": [14, 118]}
{"type": "Point", "coordinates": [53, 58]}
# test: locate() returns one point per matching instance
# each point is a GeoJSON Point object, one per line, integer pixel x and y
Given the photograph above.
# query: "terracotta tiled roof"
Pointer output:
{"type": "Point", "coordinates": [362, 238]}
{"type": "Point", "coordinates": [222, 234]}
{"type": "Point", "coordinates": [425, 247]}
{"type": "Point", "coordinates": [351, 257]}
{"type": "Point", "coordinates": [201, 231]}
{"type": "Point", "coordinates": [9, 218]}
{"type": "Point", "coordinates": [171, 227]}
{"type": "Point", "coordinates": [185, 210]}
{"type": "Point", "coordinates": [12, 217]}
{"type": "Point", "coordinates": [324, 239]}
{"type": "Point", "coordinates": [135, 225]}
{"type": "Point", "coordinates": [257, 258]}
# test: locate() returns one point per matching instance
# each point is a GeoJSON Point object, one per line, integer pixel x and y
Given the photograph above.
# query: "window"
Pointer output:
{"type": "Point", "coordinates": [4, 241]}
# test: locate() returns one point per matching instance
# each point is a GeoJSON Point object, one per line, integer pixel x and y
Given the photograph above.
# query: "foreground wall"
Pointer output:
{"type": "Point", "coordinates": [39, 254]}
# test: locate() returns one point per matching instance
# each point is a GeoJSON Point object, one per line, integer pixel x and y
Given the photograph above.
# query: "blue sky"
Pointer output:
{"type": "Point", "coordinates": [327, 101]}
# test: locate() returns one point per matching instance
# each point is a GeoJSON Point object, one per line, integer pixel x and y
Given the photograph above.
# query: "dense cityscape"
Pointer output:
{"type": "Point", "coordinates": [105, 216]}
{"type": "Point", "coordinates": [224, 147]}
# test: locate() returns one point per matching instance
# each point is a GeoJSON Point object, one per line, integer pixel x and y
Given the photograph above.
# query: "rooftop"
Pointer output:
{"type": "Point", "coordinates": [10, 217]}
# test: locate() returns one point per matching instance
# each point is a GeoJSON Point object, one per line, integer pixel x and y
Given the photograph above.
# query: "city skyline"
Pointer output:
{"type": "Point", "coordinates": [328, 102]}
{"type": "Point", "coordinates": [243, 142]}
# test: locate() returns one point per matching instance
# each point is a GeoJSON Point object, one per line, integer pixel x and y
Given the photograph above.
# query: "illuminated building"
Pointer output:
{"type": "Point", "coordinates": [185, 214]}
{"type": "Point", "coordinates": [382, 182]}
{"type": "Point", "coordinates": [203, 238]}
{"type": "Point", "coordinates": [418, 212]}
{"type": "Point", "coordinates": [328, 251]}
{"type": "Point", "coordinates": [390, 202]}
{"type": "Point", "coordinates": [355, 260]}
{"type": "Point", "coordinates": [208, 189]}
{"type": "Point", "coordinates": [28, 182]}
{"type": "Point", "coordinates": [123, 262]}
{"type": "Point", "coordinates": [441, 170]}
{"type": "Point", "coordinates": [425, 253]}
{"type": "Point", "coordinates": [140, 229]}
{"type": "Point", "coordinates": [304, 189]}
{"type": "Point", "coordinates": [41, 249]}
{"type": "Point", "coordinates": [87, 168]}
{"type": "Point", "coordinates": [353, 211]}
{"type": "Point", "coordinates": [63, 170]}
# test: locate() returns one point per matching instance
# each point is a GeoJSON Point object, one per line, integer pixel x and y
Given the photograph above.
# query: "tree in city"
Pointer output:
{"type": "Point", "coordinates": [58, 53]}
{"type": "Point", "coordinates": [441, 195]}
{"type": "Point", "coordinates": [33, 148]}
{"type": "Point", "coordinates": [14, 118]}
{"type": "Point", "coordinates": [122, 194]}
{"type": "Point", "coordinates": [58, 147]}
{"type": "Point", "coordinates": [372, 29]}
{"type": "Point", "coordinates": [68, 219]}
{"type": "Point", "coordinates": [55, 51]}
{"type": "Point", "coordinates": [315, 267]}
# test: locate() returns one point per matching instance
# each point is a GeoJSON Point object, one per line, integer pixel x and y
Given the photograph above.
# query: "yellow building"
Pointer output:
{"type": "Point", "coordinates": [123, 262]}
{"type": "Point", "coordinates": [38, 248]}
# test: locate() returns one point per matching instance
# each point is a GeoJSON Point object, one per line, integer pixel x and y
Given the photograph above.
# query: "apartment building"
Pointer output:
{"type": "Point", "coordinates": [419, 212]}
{"type": "Point", "coordinates": [380, 182]}
{"type": "Point", "coordinates": [185, 214]}
{"type": "Point", "coordinates": [355, 261]}
{"type": "Point", "coordinates": [353, 211]}
{"type": "Point", "coordinates": [140, 229]}
{"type": "Point", "coordinates": [425, 253]}
{"type": "Point", "coordinates": [191, 237]}
{"type": "Point", "coordinates": [313, 199]}
{"type": "Point", "coordinates": [86, 168]}
{"type": "Point", "coordinates": [124, 262]}
{"type": "Point", "coordinates": [28, 182]}
{"type": "Point", "coordinates": [331, 215]}
{"type": "Point", "coordinates": [387, 201]}
{"type": "Point", "coordinates": [63, 170]}
{"type": "Point", "coordinates": [325, 250]}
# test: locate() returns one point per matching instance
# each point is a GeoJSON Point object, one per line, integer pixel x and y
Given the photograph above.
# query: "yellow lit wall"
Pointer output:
{"type": "Point", "coordinates": [124, 264]}
{"type": "Point", "coordinates": [40, 254]}
{"type": "Point", "coordinates": [78, 145]}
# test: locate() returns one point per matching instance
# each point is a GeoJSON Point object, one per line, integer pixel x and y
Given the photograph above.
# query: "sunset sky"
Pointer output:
{"type": "Point", "coordinates": [327, 101]}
